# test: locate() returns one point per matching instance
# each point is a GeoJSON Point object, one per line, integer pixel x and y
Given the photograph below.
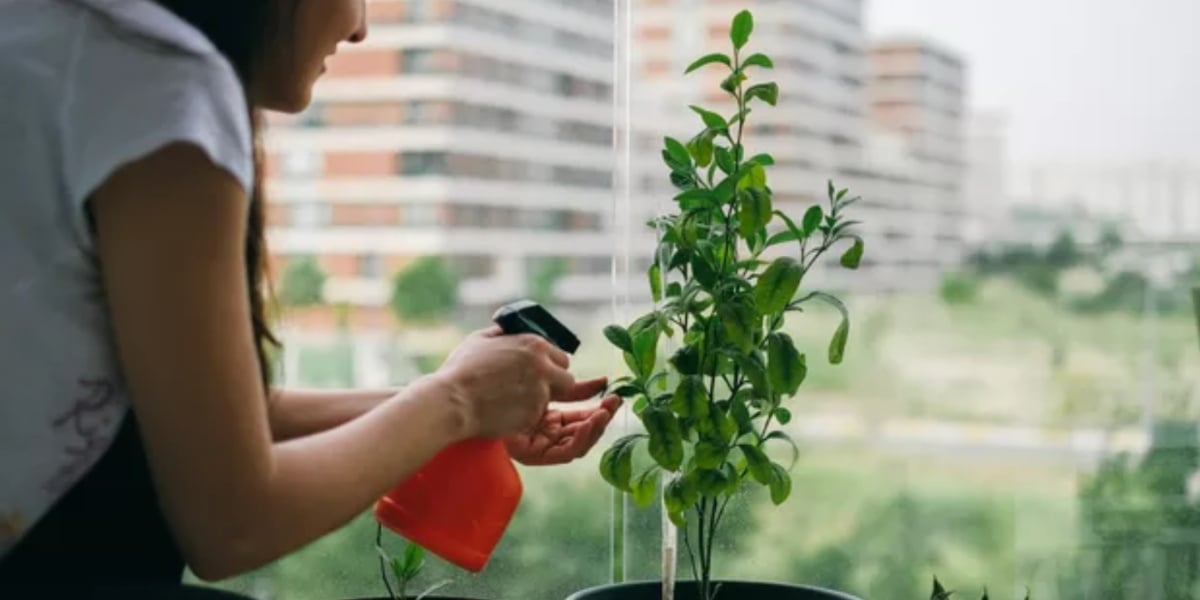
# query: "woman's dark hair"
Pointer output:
{"type": "Point", "coordinates": [242, 30]}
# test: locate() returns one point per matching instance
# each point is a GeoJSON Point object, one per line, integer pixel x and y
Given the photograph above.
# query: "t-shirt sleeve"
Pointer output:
{"type": "Point", "coordinates": [130, 101]}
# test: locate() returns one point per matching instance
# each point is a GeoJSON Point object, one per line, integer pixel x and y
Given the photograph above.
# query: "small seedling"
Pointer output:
{"type": "Point", "coordinates": [941, 593]}
{"type": "Point", "coordinates": [404, 569]}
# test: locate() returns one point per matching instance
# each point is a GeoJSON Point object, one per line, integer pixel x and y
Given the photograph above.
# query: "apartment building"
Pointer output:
{"type": "Point", "coordinates": [475, 130]}
{"type": "Point", "coordinates": [884, 118]}
{"type": "Point", "coordinates": [482, 131]}
{"type": "Point", "coordinates": [917, 102]}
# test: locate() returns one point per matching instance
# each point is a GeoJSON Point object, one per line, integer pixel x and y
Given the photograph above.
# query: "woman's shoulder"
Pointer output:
{"type": "Point", "coordinates": [147, 78]}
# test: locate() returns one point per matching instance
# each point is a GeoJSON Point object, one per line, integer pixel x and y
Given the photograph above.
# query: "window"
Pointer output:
{"type": "Point", "coordinates": [415, 164]}
{"type": "Point", "coordinates": [1021, 316]}
{"type": "Point", "coordinates": [309, 215]}
{"type": "Point", "coordinates": [370, 266]}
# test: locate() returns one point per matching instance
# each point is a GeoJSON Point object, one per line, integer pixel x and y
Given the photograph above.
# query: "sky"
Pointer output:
{"type": "Point", "coordinates": [1107, 82]}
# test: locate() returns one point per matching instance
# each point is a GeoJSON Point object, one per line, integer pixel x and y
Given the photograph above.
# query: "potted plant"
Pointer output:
{"type": "Point", "coordinates": [724, 287]}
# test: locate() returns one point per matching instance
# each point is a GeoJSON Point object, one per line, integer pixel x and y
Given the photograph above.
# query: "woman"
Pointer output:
{"type": "Point", "coordinates": [138, 430]}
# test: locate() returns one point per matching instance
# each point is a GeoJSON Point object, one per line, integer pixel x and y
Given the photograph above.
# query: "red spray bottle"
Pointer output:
{"type": "Point", "coordinates": [460, 503]}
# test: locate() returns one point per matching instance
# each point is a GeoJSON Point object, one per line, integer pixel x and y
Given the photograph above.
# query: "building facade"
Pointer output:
{"type": "Point", "coordinates": [475, 130]}
{"type": "Point", "coordinates": [482, 131]}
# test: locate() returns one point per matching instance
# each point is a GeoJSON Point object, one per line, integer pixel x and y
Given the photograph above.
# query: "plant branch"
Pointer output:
{"type": "Point", "coordinates": [383, 563]}
{"type": "Point", "coordinates": [687, 543]}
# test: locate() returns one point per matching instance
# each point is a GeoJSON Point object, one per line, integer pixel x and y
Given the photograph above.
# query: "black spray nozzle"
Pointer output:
{"type": "Point", "coordinates": [527, 316]}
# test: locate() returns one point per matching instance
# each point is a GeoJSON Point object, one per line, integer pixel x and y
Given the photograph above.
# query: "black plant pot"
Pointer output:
{"type": "Point", "coordinates": [730, 590]}
{"type": "Point", "coordinates": [413, 596]}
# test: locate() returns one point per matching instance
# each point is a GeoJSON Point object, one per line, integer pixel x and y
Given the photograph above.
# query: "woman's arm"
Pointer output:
{"type": "Point", "coordinates": [171, 231]}
{"type": "Point", "coordinates": [296, 413]}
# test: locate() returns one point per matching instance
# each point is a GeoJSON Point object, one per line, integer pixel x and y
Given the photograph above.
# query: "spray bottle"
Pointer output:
{"type": "Point", "coordinates": [459, 504]}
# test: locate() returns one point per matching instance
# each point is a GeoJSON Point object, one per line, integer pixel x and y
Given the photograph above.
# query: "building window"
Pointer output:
{"type": "Point", "coordinates": [370, 266]}
{"type": "Point", "coordinates": [416, 164]}
{"type": "Point", "coordinates": [309, 215]}
{"type": "Point", "coordinates": [302, 163]}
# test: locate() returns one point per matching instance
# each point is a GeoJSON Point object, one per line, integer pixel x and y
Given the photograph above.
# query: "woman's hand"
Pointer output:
{"type": "Point", "coordinates": [502, 384]}
{"type": "Point", "coordinates": [563, 436]}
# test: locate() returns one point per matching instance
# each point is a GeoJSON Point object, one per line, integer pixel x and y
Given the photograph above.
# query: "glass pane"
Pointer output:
{"type": "Point", "coordinates": [458, 160]}
{"type": "Point", "coordinates": [1017, 404]}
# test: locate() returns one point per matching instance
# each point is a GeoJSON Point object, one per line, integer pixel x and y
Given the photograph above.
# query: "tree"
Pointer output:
{"type": "Point", "coordinates": [425, 292]}
{"type": "Point", "coordinates": [543, 279]}
{"type": "Point", "coordinates": [302, 284]}
{"type": "Point", "coordinates": [1064, 253]}
{"type": "Point", "coordinates": [1110, 241]}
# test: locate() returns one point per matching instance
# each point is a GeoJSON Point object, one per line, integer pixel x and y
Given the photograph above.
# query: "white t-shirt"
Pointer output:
{"type": "Point", "coordinates": [86, 86]}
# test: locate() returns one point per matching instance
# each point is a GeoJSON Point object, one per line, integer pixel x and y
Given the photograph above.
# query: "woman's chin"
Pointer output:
{"type": "Point", "coordinates": [292, 102]}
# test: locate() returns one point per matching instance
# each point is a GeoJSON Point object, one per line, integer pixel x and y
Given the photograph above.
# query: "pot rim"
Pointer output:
{"type": "Point", "coordinates": [834, 594]}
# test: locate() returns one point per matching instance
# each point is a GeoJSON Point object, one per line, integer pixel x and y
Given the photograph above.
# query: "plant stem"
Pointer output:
{"type": "Point", "coordinates": [687, 542]}
{"type": "Point", "coordinates": [712, 538]}
{"type": "Point", "coordinates": [383, 563]}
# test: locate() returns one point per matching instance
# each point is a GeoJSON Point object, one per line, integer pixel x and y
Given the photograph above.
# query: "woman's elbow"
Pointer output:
{"type": "Point", "coordinates": [218, 555]}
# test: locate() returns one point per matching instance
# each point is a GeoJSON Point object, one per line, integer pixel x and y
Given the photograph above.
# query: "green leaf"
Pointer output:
{"type": "Point", "coordinates": [760, 465]}
{"type": "Point", "coordinates": [680, 495]}
{"type": "Point", "coordinates": [731, 83]}
{"type": "Point", "coordinates": [758, 60]}
{"type": "Point", "coordinates": [686, 360]}
{"type": "Point", "coordinates": [783, 415]}
{"type": "Point", "coordinates": [755, 371]}
{"type": "Point", "coordinates": [765, 160]}
{"type": "Point", "coordinates": [781, 484]}
{"type": "Point", "coordinates": [786, 367]}
{"type": "Point", "coordinates": [616, 465]}
{"type": "Point", "coordinates": [645, 349]}
{"type": "Point", "coordinates": [709, 60]}
{"type": "Point", "coordinates": [674, 289]}
{"type": "Point", "coordinates": [853, 257]}
{"type": "Point", "coordinates": [832, 193]}
{"type": "Point", "coordinates": [939, 592]}
{"type": "Point", "coordinates": [738, 323]}
{"type": "Point", "coordinates": [697, 198]}
{"type": "Point", "coordinates": [712, 482]}
{"type": "Point", "coordinates": [640, 405]}
{"type": "Point", "coordinates": [726, 189]}
{"type": "Point", "coordinates": [619, 337]}
{"type": "Point", "coordinates": [398, 570]}
{"type": "Point", "coordinates": [743, 26]}
{"type": "Point", "coordinates": [837, 345]}
{"type": "Point", "coordinates": [414, 560]}
{"type": "Point", "coordinates": [777, 285]}
{"type": "Point", "coordinates": [724, 159]}
{"type": "Point", "coordinates": [701, 149]}
{"type": "Point", "coordinates": [711, 119]}
{"type": "Point", "coordinates": [709, 454]}
{"type": "Point", "coordinates": [791, 225]}
{"type": "Point", "coordinates": [755, 212]}
{"type": "Point", "coordinates": [691, 398]}
{"type": "Point", "coordinates": [812, 219]}
{"type": "Point", "coordinates": [727, 427]}
{"type": "Point", "coordinates": [677, 154]}
{"type": "Point", "coordinates": [704, 272]}
{"type": "Point", "coordinates": [626, 391]}
{"type": "Point", "coordinates": [655, 277]}
{"type": "Point", "coordinates": [757, 176]}
{"type": "Point", "coordinates": [767, 92]}
{"type": "Point", "coordinates": [644, 488]}
{"type": "Point", "coordinates": [683, 180]}
{"type": "Point", "coordinates": [666, 438]}
{"type": "Point", "coordinates": [741, 415]}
